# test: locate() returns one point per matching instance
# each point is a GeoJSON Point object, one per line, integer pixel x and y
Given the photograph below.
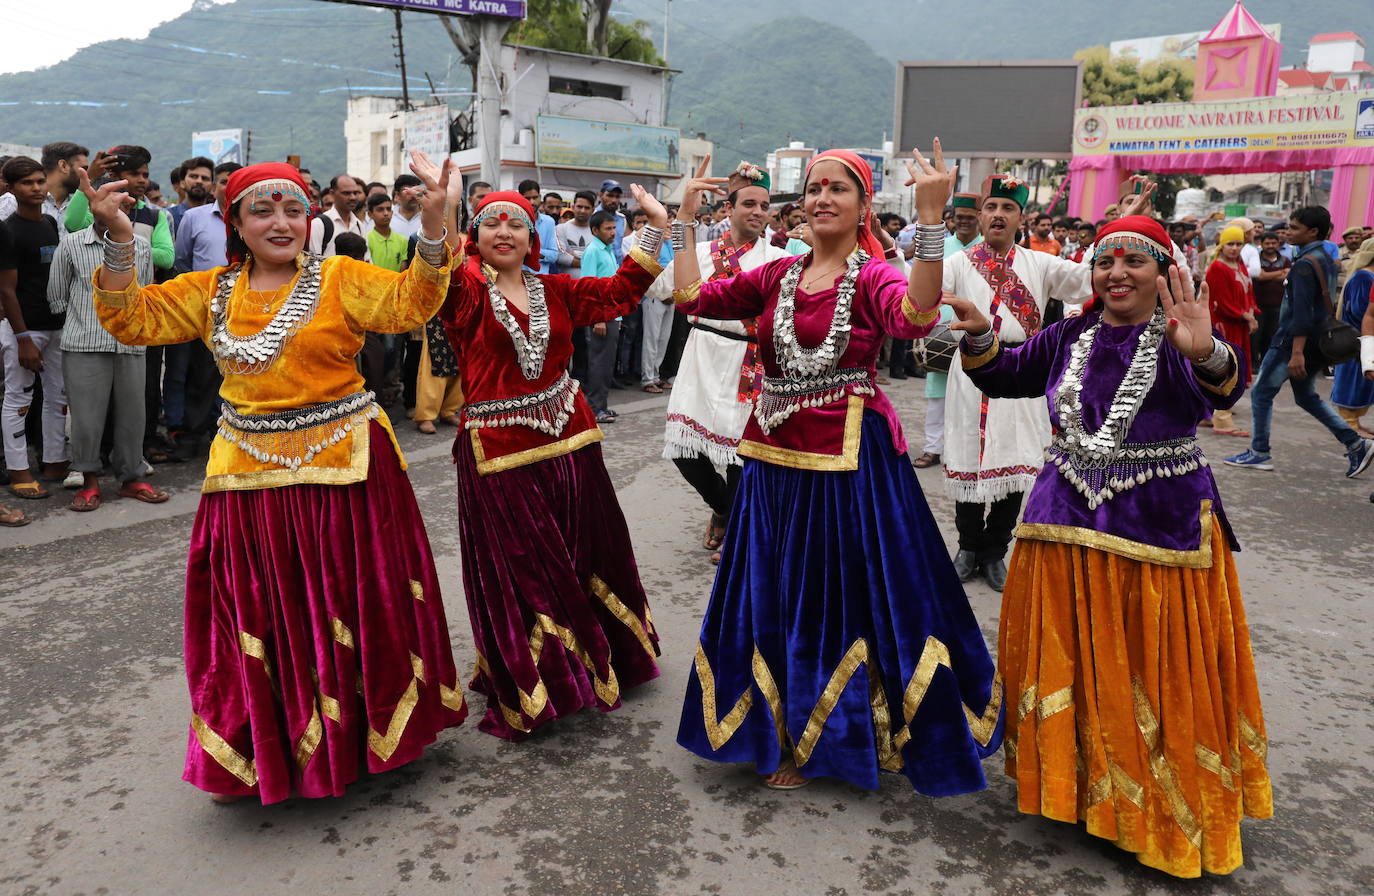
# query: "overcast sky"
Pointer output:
{"type": "Point", "coordinates": [36, 36]}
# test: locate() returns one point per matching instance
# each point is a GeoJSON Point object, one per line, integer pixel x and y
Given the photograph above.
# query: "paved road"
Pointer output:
{"type": "Point", "coordinates": [93, 713]}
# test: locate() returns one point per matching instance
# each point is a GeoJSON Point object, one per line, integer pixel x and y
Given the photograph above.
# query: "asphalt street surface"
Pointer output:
{"type": "Point", "coordinates": [94, 712]}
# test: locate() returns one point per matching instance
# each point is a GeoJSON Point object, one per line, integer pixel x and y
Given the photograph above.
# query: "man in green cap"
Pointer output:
{"type": "Point", "coordinates": [994, 448]}
{"type": "Point", "coordinates": [965, 224]}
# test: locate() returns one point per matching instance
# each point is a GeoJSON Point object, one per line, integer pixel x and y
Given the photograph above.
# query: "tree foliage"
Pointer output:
{"type": "Point", "coordinates": [1121, 81]}
{"type": "Point", "coordinates": [575, 26]}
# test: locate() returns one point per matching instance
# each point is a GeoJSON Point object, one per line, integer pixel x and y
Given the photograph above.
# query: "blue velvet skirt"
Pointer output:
{"type": "Point", "coordinates": [838, 631]}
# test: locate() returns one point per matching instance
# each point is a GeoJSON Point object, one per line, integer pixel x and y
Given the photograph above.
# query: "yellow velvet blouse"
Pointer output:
{"type": "Point", "coordinates": [316, 365]}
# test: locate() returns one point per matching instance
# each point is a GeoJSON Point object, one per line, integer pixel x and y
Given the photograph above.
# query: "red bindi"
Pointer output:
{"type": "Point", "coordinates": [825, 181]}
{"type": "Point", "coordinates": [1118, 251]}
{"type": "Point", "coordinates": [276, 196]}
{"type": "Point", "coordinates": [503, 216]}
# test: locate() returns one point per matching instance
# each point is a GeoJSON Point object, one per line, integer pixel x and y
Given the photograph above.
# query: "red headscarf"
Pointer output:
{"type": "Point", "coordinates": [1137, 232]}
{"type": "Point", "coordinates": [512, 198]}
{"type": "Point", "coordinates": [1142, 230]}
{"type": "Point", "coordinates": [246, 178]}
{"type": "Point", "coordinates": [867, 241]}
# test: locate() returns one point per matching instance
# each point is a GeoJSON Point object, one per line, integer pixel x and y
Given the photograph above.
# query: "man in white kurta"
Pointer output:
{"type": "Point", "coordinates": [994, 448]}
{"type": "Point", "coordinates": [717, 379]}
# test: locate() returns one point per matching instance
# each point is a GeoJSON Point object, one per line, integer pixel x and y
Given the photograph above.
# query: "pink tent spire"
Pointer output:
{"type": "Point", "coordinates": [1238, 23]}
{"type": "Point", "coordinates": [1237, 59]}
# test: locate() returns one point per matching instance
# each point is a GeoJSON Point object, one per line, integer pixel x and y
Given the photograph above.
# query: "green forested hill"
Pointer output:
{"type": "Point", "coordinates": [282, 69]}
{"type": "Point", "coordinates": [753, 74]}
{"type": "Point", "coordinates": [755, 103]}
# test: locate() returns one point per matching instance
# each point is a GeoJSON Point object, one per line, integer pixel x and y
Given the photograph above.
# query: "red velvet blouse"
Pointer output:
{"type": "Point", "coordinates": [490, 369]}
{"type": "Point", "coordinates": [825, 437]}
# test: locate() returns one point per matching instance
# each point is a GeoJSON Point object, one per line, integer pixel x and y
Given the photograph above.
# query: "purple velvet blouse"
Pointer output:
{"type": "Point", "coordinates": [1165, 519]}
{"type": "Point", "coordinates": [824, 437]}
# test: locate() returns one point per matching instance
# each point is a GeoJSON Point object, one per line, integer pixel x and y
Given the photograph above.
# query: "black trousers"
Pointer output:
{"type": "Point", "coordinates": [987, 535]}
{"type": "Point", "coordinates": [716, 490]}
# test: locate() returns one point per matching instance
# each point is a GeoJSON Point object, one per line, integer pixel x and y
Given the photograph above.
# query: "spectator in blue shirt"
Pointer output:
{"type": "Point", "coordinates": [597, 261]}
{"type": "Point", "coordinates": [610, 203]}
{"type": "Point", "coordinates": [543, 226]}
{"type": "Point", "coordinates": [1305, 308]}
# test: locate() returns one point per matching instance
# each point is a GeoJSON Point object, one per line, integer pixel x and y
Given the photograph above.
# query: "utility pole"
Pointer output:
{"type": "Point", "coordinates": [491, 30]}
{"type": "Point", "coordinates": [401, 55]}
{"type": "Point", "coordinates": [667, 20]}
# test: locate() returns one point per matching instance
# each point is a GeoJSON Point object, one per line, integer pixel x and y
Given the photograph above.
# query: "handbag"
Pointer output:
{"type": "Point", "coordinates": [1336, 342]}
{"type": "Point", "coordinates": [935, 351]}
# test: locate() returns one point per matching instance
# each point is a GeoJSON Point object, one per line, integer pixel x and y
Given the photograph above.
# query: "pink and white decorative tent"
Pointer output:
{"type": "Point", "coordinates": [1236, 84]}
{"type": "Point", "coordinates": [1237, 59]}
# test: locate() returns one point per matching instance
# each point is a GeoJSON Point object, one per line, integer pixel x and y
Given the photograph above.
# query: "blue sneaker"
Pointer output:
{"type": "Point", "coordinates": [1359, 458]}
{"type": "Point", "coordinates": [1250, 460]}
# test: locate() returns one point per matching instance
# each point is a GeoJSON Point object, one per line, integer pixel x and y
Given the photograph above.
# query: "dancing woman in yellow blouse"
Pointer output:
{"type": "Point", "coordinates": [315, 634]}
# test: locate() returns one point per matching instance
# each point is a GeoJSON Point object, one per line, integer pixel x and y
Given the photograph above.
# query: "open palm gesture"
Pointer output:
{"type": "Point", "coordinates": [933, 181]}
{"type": "Point", "coordinates": [436, 180]}
{"type": "Point", "coordinates": [109, 206]}
{"type": "Point", "coordinates": [1190, 322]}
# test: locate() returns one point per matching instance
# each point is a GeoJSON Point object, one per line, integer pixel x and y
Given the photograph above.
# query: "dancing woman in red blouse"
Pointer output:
{"type": "Point", "coordinates": [838, 641]}
{"type": "Point", "coordinates": [558, 613]}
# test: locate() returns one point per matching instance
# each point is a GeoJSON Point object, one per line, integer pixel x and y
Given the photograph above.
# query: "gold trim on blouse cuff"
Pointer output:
{"type": "Point", "coordinates": [973, 362]}
{"type": "Point", "coordinates": [114, 298]}
{"type": "Point", "coordinates": [646, 261]}
{"type": "Point", "coordinates": [687, 294]}
{"type": "Point", "coordinates": [918, 317]}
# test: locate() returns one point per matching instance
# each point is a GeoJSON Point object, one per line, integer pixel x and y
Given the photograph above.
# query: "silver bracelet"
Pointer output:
{"type": "Point", "coordinates": [432, 251]}
{"type": "Point", "coordinates": [1218, 362]}
{"type": "Point", "coordinates": [976, 345]}
{"type": "Point", "coordinates": [678, 233]}
{"type": "Point", "coordinates": [650, 240]}
{"type": "Point", "coordinates": [119, 257]}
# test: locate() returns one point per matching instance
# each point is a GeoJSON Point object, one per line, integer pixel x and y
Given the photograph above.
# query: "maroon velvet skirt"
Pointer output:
{"type": "Point", "coordinates": [559, 617]}
{"type": "Point", "coordinates": [315, 636]}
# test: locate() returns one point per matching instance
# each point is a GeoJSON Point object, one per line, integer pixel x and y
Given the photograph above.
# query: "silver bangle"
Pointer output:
{"type": "Point", "coordinates": [1218, 362]}
{"type": "Point", "coordinates": [650, 240]}
{"type": "Point", "coordinates": [978, 344]}
{"type": "Point", "coordinates": [432, 251]}
{"type": "Point", "coordinates": [119, 257]}
{"type": "Point", "coordinates": [929, 253]}
{"type": "Point", "coordinates": [678, 233]}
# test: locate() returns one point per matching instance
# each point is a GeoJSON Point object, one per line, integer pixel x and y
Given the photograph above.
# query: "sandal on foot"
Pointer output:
{"type": "Point", "coordinates": [86, 500]}
{"type": "Point", "coordinates": [715, 533]}
{"type": "Point", "coordinates": [605, 417]}
{"type": "Point", "coordinates": [426, 427]}
{"type": "Point", "coordinates": [13, 517]}
{"type": "Point", "coordinates": [654, 388]}
{"type": "Point", "coordinates": [783, 766]}
{"type": "Point", "coordinates": [29, 491]}
{"type": "Point", "coordinates": [715, 558]}
{"type": "Point", "coordinates": [142, 491]}
{"type": "Point", "coordinates": [1243, 433]}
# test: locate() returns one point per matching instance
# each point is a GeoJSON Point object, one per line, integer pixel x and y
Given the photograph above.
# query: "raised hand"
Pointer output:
{"type": "Point", "coordinates": [108, 206]}
{"type": "Point", "coordinates": [1190, 322]}
{"type": "Point", "coordinates": [1139, 203]}
{"type": "Point", "coordinates": [700, 183]}
{"type": "Point", "coordinates": [658, 215]}
{"type": "Point", "coordinates": [934, 184]}
{"type": "Point", "coordinates": [968, 317]}
{"type": "Point", "coordinates": [434, 204]}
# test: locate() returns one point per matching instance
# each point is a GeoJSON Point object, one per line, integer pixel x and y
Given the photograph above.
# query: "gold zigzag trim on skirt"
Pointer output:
{"type": "Point", "coordinates": [1160, 768]}
{"type": "Point", "coordinates": [382, 744]}
{"type": "Point", "coordinates": [607, 690]}
{"type": "Point", "coordinates": [719, 729]}
{"type": "Point", "coordinates": [231, 760]}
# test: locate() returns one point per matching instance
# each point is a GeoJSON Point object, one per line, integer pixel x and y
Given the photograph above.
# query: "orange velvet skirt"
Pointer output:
{"type": "Point", "coordinates": [1136, 707]}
